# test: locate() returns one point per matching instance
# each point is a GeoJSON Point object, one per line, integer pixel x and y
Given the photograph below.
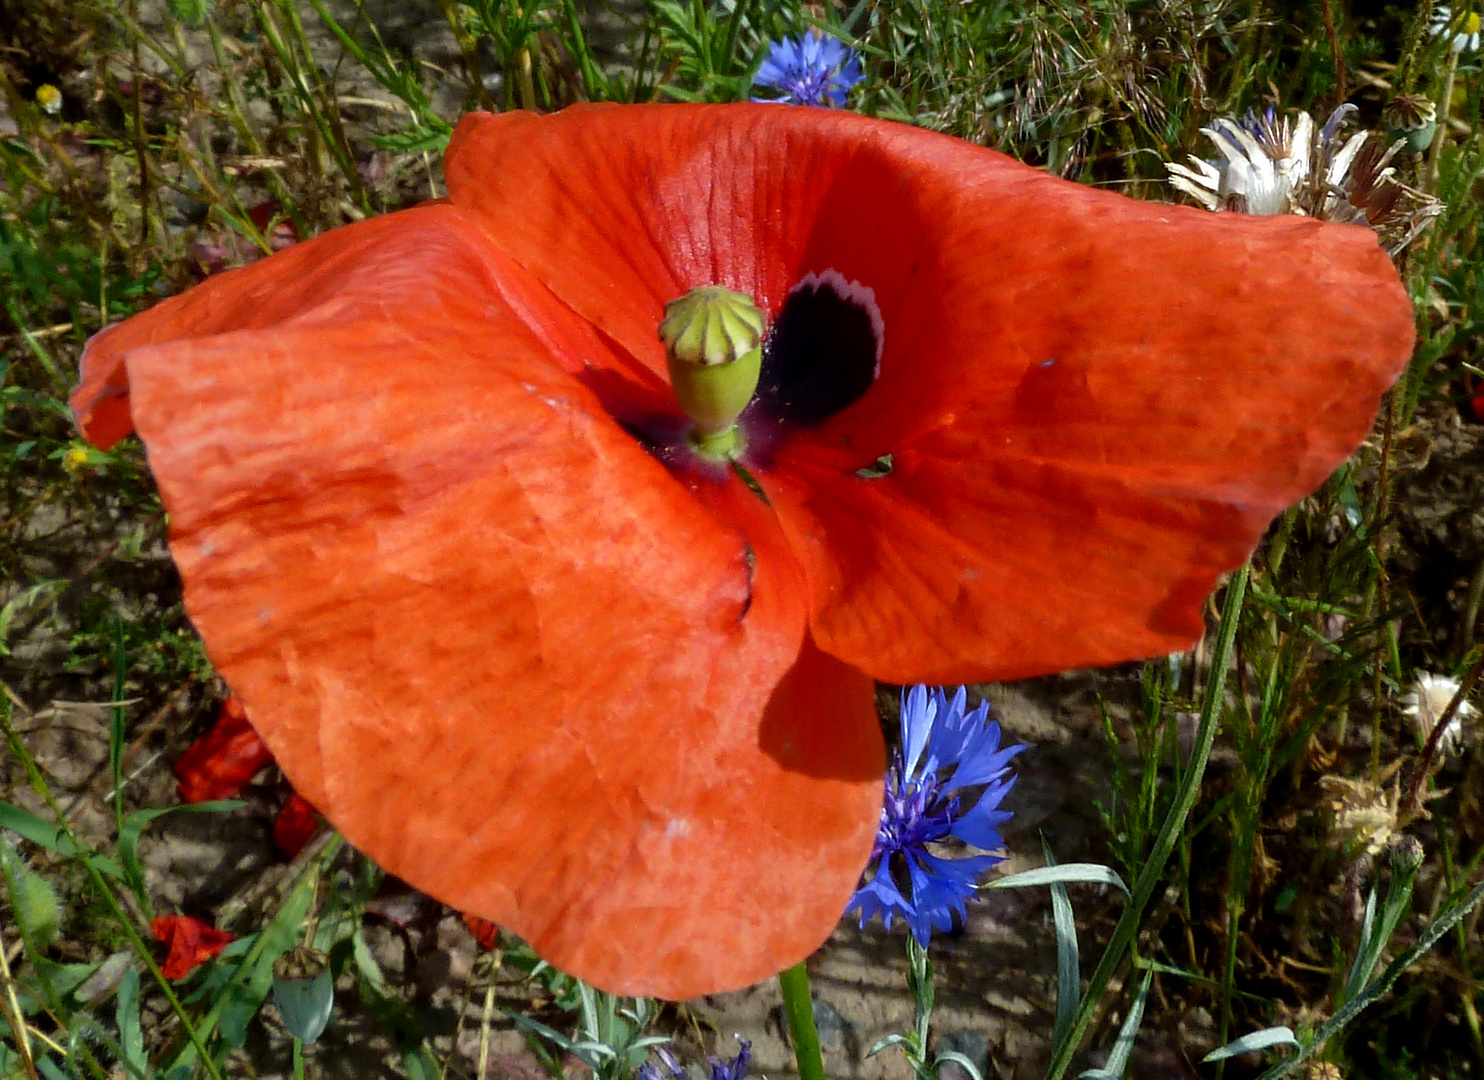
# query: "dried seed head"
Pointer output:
{"type": "Point", "coordinates": [1362, 813]}
{"type": "Point", "coordinates": [1427, 702]}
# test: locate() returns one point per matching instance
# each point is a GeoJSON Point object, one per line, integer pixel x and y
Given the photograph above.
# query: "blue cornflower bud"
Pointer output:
{"type": "Point", "coordinates": [809, 70]}
{"type": "Point", "coordinates": [945, 757]}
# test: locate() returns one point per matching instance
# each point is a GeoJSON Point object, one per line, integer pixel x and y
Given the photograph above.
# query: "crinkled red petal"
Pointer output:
{"type": "Point", "coordinates": [188, 942]}
{"type": "Point", "coordinates": [221, 762]}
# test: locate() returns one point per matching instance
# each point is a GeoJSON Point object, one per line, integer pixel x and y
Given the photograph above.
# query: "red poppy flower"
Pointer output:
{"type": "Point", "coordinates": [535, 657]}
{"type": "Point", "coordinates": [219, 763]}
{"type": "Point", "coordinates": [189, 943]}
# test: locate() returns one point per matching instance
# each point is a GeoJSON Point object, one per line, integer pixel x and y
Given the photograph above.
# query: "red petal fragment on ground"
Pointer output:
{"type": "Point", "coordinates": [497, 644]}
{"type": "Point", "coordinates": [284, 233]}
{"type": "Point", "coordinates": [1094, 405]}
{"type": "Point", "coordinates": [296, 824]}
{"type": "Point", "coordinates": [484, 931]}
{"type": "Point", "coordinates": [221, 762]}
{"type": "Point", "coordinates": [188, 942]}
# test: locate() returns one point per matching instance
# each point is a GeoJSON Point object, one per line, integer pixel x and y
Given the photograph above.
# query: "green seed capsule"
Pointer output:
{"type": "Point", "coordinates": [713, 345]}
{"type": "Point", "coordinates": [304, 991]}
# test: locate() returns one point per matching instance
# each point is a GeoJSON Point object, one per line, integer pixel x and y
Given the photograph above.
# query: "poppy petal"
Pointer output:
{"type": "Point", "coordinates": [221, 762]}
{"type": "Point", "coordinates": [496, 643]}
{"type": "Point", "coordinates": [620, 210]}
{"type": "Point", "coordinates": [1121, 447]}
{"type": "Point", "coordinates": [188, 942]}
{"type": "Point", "coordinates": [303, 284]}
{"type": "Point", "coordinates": [1093, 406]}
{"type": "Point", "coordinates": [295, 825]}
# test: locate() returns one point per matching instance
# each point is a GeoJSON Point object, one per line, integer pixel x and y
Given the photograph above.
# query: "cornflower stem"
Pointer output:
{"type": "Point", "coordinates": [920, 984]}
{"type": "Point", "coordinates": [798, 1007]}
{"type": "Point", "coordinates": [1169, 833]}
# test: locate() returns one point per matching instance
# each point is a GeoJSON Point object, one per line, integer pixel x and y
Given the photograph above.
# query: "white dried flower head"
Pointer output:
{"type": "Point", "coordinates": [1273, 166]}
{"type": "Point", "coordinates": [1424, 706]}
{"type": "Point", "coordinates": [1462, 30]}
{"type": "Point", "coordinates": [1362, 813]}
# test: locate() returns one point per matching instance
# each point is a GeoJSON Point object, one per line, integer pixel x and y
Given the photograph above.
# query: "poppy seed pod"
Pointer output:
{"type": "Point", "coordinates": [440, 526]}
{"type": "Point", "coordinates": [713, 352]}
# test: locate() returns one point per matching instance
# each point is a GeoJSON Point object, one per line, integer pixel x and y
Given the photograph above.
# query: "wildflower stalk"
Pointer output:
{"type": "Point", "coordinates": [1377, 594]}
{"type": "Point", "coordinates": [1445, 110]}
{"type": "Point", "coordinates": [1149, 877]}
{"type": "Point", "coordinates": [1380, 986]}
{"type": "Point", "coordinates": [798, 1007]}
{"type": "Point", "coordinates": [236, 109]}
{"type": "Point", "coordinates": [141, 144]}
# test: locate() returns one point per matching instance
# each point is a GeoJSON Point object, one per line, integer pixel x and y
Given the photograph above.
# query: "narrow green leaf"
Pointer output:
{"type": "Point", "coordinates": [55, 839]}
{"type": "Point", "coordinates": [1068, 959]}
{"type": "Point", "coordinates": [1256, 1040]}
{"type": "Point", "coordinates": [131, 1036]}
{"type": "Point", "coordinates": [1124, 1046]}
{"type": "Point", "coordinates": [1065, 874]}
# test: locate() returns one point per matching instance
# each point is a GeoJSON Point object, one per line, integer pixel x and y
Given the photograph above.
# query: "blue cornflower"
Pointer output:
{"type": "Point", "coordinates": [721, 1069]}
{"type": "Point", "coordinates": [946, 754]}
{"type": "Point", "coordinates": [809, 70]}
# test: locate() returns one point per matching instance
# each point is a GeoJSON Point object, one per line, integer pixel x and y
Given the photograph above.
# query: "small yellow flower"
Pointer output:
{"type": "Point", "coordinates": [49, 98]}
{"type": "Point", "coordinates": [75, 460]}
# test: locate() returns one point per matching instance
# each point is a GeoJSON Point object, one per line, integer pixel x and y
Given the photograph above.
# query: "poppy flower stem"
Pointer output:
{"type": "Point", "coordinates": [798, 1007]}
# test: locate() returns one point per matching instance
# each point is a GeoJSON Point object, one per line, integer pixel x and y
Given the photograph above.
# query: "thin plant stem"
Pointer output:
{"type": "Point", "coordinates": [1445, 113]}
{"type": "Point", "coordinates": [1472, 602]}
{"type": "Point", "coordinates": [1153, 870]}
{"type": "Point", "coordinates": [798, 1006]}
{"type": "Point", "coordinates": [1381, 592]}
{"type": "Point", "coordinates": [1414, 789]}
{"type": "Point", "coordinates": [1380, 986]}
{"type": "Point", "coordinates": [1336, 52]}
{"type": "Point", "coordinates": [10, 1009]}
{"type": "Point", "coordinates": [141, 144]}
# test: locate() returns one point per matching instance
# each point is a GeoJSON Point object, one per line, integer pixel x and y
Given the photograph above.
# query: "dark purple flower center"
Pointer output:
{"type": "Point", "coordinates": [821, 353]}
